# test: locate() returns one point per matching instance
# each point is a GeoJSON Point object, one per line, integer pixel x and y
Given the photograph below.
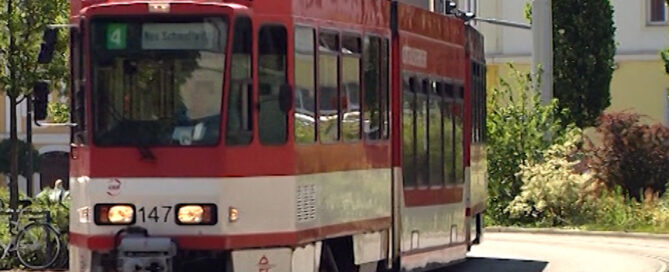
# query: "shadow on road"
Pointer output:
{"type": "Point", "coordinates": [497, 265]}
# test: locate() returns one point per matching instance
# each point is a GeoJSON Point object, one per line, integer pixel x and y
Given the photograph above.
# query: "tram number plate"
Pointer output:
{"type": "Point", "coordinates": [154, 214]}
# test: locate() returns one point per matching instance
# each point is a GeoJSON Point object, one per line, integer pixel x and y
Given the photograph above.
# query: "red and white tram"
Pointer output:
{"type": "Point", "coordinates": [274, 135]}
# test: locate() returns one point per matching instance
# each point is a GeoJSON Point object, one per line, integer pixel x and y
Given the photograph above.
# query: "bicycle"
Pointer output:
{"type": "Point", "coordinates": [37, 243]}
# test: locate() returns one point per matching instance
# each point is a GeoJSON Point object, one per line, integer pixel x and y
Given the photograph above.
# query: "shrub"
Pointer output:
{"type": "Point", "coordinates": [631, 155]}
{"type": "Point", "coordinates": [553, 193]}
{"type": "Point", "coordinates": [520, 128]}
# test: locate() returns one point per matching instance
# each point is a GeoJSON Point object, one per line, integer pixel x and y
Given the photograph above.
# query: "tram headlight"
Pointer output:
{"type": "Point", "coordinates": [114, 214]}
{"type": "Point", "coordinates": [196, 214]}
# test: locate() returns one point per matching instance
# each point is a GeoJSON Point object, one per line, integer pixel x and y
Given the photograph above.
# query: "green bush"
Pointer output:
{"type": "Point", "coordinates": [631, 155]}
{"type": "Point", "coordinates": [520, 128]}
{"type": "Point", "coordinates": [553, 193]}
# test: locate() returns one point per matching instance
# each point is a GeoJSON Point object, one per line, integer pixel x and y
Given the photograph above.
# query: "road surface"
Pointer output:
{"type": "Point", "coordinates": [523, 252]}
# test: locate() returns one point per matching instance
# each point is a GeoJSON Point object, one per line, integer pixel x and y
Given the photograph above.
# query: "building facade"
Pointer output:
{"type": "Point", "coordinates": [52, 143]}
{"type": "Point", "coordinates": [639, 81]}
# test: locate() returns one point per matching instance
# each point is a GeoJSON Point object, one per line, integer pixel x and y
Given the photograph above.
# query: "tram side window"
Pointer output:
{"type": "Point", "coordinates": [272, 121]}
{"type": "Point", "coordinates": [350, 87]}
{"type": "Point", "coordinates": [408, 130]}
{"type": "Point", "coordinates": [385, 87]}
{"type": "Point", "coordinates": [422, 169]}
{"type": "Point", "coordinates": [78, 99]}
{"type": "Point", "coordinates": [449, 133]}
{"type": "Point", "coordinates": [435, 131]}
{"type": "Point", "coordinates": [484, 107]}
{"type": "Point", "coordinates": [239, 127]}
{"type": "Point", "coordinates": [459, 137]}
{"type": "Point", "coordinates": [328, 101]}
{"type": "Point", "coordinates": [373, 122]}
{"type": "Point", "coordinates": [305, 85]}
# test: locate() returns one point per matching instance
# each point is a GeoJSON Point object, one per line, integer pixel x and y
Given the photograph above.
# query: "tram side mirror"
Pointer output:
{"type": "Point", "coordinates": [48, 45]}
{"type": "Point", "coordinates": [285, 98]}
{"type": "Point", "coordinates": [40, 100]}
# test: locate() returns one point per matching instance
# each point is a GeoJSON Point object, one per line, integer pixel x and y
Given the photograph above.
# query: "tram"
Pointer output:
{"type": "Point", "coordinates": [273, 135]}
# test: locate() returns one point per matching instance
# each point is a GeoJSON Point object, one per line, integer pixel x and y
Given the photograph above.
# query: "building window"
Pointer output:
{"type": "Point", "coordinates": [657, 13]}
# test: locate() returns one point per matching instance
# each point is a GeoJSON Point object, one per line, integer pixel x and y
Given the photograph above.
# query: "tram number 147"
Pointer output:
{"type": "Point", "coordinates": [154, 214]}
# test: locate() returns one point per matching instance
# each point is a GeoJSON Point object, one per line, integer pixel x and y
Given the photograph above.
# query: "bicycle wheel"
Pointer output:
{"type": "Point", "coordinates": [38, 245]}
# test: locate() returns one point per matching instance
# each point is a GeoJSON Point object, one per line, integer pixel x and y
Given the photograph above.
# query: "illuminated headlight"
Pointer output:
{"type": "Point", "coordinates": [196, 214]}
{"type": "Point", "coordinates": [114, 214]}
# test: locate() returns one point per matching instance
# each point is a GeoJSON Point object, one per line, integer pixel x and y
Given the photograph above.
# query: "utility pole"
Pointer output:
{"type": "Point", "coordinates": [542, 43]}
{"type": "Point", "coordinates": [29, 142]}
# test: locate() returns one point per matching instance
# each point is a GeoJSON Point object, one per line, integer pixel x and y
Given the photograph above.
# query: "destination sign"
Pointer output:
{"type": "Point", "coordinates": [180, 36]}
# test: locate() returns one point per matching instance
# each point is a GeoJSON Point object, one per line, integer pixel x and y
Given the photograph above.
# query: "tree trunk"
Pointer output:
{"type": "Point", "coordinates": [14, 157]}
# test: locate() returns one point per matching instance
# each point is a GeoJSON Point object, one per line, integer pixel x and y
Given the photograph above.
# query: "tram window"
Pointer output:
{"type": "Point", "coordinates": [372, 110]}
{"type": "Point", "coordinates": [484, 108]}
{"type": "Point", "coordinates": [422, 142]}
{"type": "Point", "coordinates": [435, 135]}
{"type": "Point", "coordinates": [305, 85]}
{"type": "Point", "coordinates": [385, 87]}
{"type": "Point", "coordinates": [408, 132]}
{"type": "Point", "coordinates": [272, 121]}
{"type": "Point", "coordinates": [449, 134]}
{"type": "Point", "coordinates": [78, 99]}
{"type": "Point", "coordinates": [350, 88]}
{"type": "Point", "coordinates": [459, 138]}
{"type": "Point", "coordinates": [328, 96]}
{"type": "Point", "coordinates": [239, 127]}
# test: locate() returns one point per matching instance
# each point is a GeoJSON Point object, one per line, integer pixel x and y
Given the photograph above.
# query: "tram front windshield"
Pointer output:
{"type": "Point", "coordinates": [157, 83]}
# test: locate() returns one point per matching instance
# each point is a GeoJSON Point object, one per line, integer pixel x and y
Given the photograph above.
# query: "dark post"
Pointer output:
{"type": "Point", "coordinates": [29, 141]}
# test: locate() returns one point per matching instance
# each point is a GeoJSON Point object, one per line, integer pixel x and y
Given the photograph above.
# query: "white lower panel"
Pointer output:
{"type": "Point", "coordinates": [268, 204]}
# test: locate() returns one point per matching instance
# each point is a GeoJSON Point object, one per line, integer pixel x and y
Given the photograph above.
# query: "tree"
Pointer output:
{"type": "Point", "coordinates": [583, 52]}
{"type": "Point", "coordinates": [21, 25]}
{"type": "Point", "coordinates": [584, 48]}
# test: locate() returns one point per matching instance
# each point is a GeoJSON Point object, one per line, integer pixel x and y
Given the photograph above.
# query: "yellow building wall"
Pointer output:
{"type": "Point", "coordinates": [640, 86]}
{"type": "Point", "coordinates": [637, 86]}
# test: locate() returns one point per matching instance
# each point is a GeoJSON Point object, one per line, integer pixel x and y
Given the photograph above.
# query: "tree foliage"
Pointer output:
{"type": "Point", "coordinates": [520, 128]}
{"type": "Point", "coordinates": [21, 25]}
{"type": "Point", "coordinates": [584, 48]}
{"type": "Point", "coordinates": [583, 57]}
{"type": "Point", "coordinates": [631, 155]}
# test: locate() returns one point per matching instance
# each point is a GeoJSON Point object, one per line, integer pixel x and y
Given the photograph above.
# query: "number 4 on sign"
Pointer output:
{"type": "Point", "coordinates": [116, 36]}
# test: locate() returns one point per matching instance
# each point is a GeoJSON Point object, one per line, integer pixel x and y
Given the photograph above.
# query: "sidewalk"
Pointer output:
{"type": "Point", "coordinates": [620, 234]}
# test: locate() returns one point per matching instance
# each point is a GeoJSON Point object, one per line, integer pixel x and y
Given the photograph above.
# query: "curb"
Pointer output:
{"type": "Point", "coordinates": [617, 234]}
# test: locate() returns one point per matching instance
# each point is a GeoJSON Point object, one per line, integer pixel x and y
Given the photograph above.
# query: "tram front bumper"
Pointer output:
{"type": "Point", "coordinates": [139, 253]}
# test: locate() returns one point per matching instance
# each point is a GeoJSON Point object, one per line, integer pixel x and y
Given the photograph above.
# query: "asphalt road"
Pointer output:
{"type": "Point", "coordinates": [522, 252]}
